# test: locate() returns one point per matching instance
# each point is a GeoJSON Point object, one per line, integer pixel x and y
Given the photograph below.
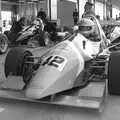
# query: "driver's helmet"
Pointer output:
{"type": "Point", "coordinates": [39, 23]}
{"type": "Point", "coordinates": [87, 27]}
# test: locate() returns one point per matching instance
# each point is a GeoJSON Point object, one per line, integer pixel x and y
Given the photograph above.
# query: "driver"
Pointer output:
{"type": "Point", "coordinates": [39, 23]}
{"type": "Point", "coordinates": [40, 35]}
{"type": "Point", "coordinates": [89, 29]}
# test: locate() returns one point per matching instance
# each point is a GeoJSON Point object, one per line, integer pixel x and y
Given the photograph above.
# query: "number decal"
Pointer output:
{"type": "Point", "coordinates": [56, 61]}
{"type": "Point", "coordinates": [47, 60]}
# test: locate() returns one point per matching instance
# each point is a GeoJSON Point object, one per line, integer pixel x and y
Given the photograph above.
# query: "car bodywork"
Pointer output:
{"type": "Point", "coordinates": [66, 66]}
{"type": "Point", "coordinates": [62, 64]}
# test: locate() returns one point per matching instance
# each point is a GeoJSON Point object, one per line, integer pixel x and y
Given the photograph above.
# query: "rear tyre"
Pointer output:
{"type": "Point", "coordinates": [114, 73]}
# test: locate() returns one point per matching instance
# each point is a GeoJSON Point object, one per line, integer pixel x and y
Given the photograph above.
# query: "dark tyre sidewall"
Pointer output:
{"type": "Point", "coordinates": [114, 73]}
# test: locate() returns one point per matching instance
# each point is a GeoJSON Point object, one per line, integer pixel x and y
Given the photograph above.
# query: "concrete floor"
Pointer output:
{"type": "Point", "coordinates": [21, 110]}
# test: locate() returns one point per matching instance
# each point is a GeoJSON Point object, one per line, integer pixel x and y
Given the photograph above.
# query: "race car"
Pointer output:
{"type": "Point", "coordinates": [70, 64]}
{"type": "Point", "coordinates": [31, 35]}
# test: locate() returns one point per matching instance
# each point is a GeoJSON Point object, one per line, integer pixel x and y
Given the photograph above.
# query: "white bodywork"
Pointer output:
{"type": "Point", "coordinates": [60, 67]}
{"type": "Point", "coordinates": [63, 64]}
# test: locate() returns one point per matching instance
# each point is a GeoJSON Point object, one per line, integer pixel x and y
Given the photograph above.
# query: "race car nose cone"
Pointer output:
{"type": "Point", "coordinates": [50, 80]}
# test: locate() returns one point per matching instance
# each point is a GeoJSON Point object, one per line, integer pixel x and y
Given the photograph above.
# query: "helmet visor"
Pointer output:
{"type": "Point", "coordinates": [85, 28]}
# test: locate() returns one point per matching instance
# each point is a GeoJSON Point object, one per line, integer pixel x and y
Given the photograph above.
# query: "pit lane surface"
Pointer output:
{"type": "Point", "coordinates": [22, 110]}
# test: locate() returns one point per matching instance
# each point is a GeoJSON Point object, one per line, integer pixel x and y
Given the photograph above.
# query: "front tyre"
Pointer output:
{"type": "Point", "coordinates": [15, 61]}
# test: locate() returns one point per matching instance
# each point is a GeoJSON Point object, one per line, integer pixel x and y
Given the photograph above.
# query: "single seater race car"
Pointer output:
{"type": "Point", "coordinates": [67, 66]}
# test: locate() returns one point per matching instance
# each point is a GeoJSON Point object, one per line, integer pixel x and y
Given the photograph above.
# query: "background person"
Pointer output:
{"type": "Point", "coordinates": [88, 9]}
{"type": "Point", "coordinates": [42, 14]}
{"type": "Point", "coordinates": [75, 16]}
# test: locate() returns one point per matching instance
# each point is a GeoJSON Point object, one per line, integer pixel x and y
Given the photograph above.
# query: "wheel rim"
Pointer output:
{"type": "Point", "coordinates": [27, 68]}
{"type": "Point", "coordinates": [3, 45]}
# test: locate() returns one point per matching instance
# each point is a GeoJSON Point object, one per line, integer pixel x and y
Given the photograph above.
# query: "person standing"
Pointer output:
{"type": "Point", "coordinates": [41, 14]}
{"type": "Point", "coordinates": [88, 9]}
{"type": "Point", "coordinates": [75, 16]}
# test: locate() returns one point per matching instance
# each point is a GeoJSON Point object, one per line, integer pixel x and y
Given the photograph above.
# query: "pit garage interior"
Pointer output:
{"type": "Point", "coordinates": [60, 13]}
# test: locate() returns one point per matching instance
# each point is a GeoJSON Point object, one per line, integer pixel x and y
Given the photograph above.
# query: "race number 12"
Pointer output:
{"type": "Point", "coordinates": [56, 61]}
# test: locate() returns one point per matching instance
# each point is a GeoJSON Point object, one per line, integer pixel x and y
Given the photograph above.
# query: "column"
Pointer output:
{"type": "Point", "coordinates": [81, 7]}
{"type": "Point", "coordinates": [53, 9]}
{"type": "Point", "coordinates": [104, 10]}
{"type": "Point", "coordinates": [0, 18]}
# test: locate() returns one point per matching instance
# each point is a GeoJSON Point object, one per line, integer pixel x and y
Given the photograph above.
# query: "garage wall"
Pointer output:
{"type": "Point", "coordinates": [99, 9]}
{"type": "Point", "coordinates": [115, 8]}
{"type": "Point", "coordinates": [6, 7]}
{"type": "Point", "coordinates": [27, 10]}
{"type": "Point", "coordinates": [81, 7]}
{"type": "Point", "coordinates": [43, 4]}
{"type": "Point", "coordinates": [30, 10]}
{"type": "Point", "coordinates": [64, 12]}
{"type": "Point", "coordinates": [116, 2]}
